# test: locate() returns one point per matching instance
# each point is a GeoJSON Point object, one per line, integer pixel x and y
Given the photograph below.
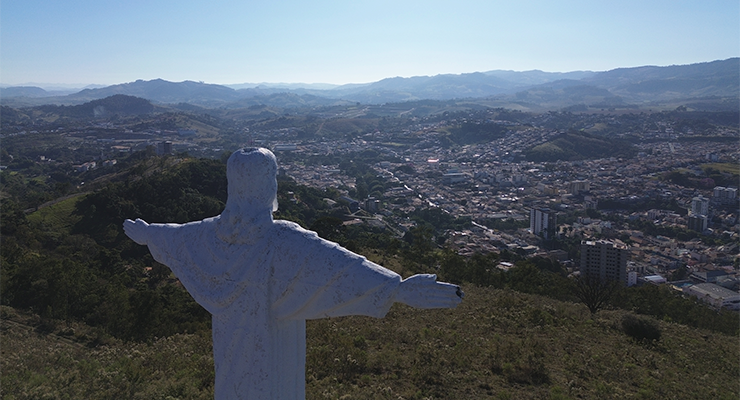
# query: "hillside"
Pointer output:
{"type": "Point", "coordinates": [574, 146]}
{"type": "Point", "coordinates": [632, 88]}
{"type": "Point", "coordinates": [498, 344]}
{"type": "Point", "coordinates": [23, 91]}
{"type": "Point", "coordinates": [87, 313]}
{"type": "Point", "coordinates": [162, 91]}
{"type": "Point", "coordinates": [716, 78]}
{"type": "Point", "coordinates": [707, 84]}
{"type": "Point", "coordinates": [118, 104]}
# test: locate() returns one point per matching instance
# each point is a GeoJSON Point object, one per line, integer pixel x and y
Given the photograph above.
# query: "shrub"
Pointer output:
{"type": "Point", "coordinates": [641, 329]}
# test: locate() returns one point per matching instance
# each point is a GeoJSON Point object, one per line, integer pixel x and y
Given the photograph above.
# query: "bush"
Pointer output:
{"type": "Point", "coordinates": [641, 329]}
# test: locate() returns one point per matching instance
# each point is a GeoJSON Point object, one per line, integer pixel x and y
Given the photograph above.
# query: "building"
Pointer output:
{"type": "Point", "coordinates": [707, 276]}
{"type": "Point", "coordinates": [698, 223]}
{"type": "Point", "coordinates": [86, 166]}
{"type": "Point", "coordinates": [604, 260]}
{"type": "Point", "coordinates": [454, 176]}
{"type": "Point", "coordinates": [164, 148]}
{"type": "Point", "coordinates": [543, 221]}
{"type": "Point", "coordinates": [715, 295]}
{"type": "Point", "coordinates": [654, 279]}
{"type": "Point", "coordinates": [632, 278]}
{"type": "Point", "coordinates": [576, 187]}
{"type": "Point", "coordinates": [700, 205]}
{"type": "Point", "coordinates": [285, 147]}
{"type": "Point", "coordinates": [723, 195]}
{"type": "Point", "coordinates": [121, 149]}
{"type": "Point", "coordinates": [372, 205]}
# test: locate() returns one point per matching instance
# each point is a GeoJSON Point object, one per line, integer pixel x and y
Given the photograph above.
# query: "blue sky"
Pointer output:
{"type": "Point", "coordinates": [321, 41]}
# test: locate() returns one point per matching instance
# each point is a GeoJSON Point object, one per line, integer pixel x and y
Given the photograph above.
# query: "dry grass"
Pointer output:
{"type": "Point", "coordinates": [498, 344]}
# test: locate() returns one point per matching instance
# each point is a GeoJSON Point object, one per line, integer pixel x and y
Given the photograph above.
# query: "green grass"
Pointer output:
{"type": "Point", "coordinates": [598, 127]}
{"type": "Point", "coordinates": [498, 344]}
{"type": "Point", "coordinates": [59, 216]}
{"type": "Point", "coordinates": [729, 168]}
{"type": "Point", "coordinates": [578, 146]}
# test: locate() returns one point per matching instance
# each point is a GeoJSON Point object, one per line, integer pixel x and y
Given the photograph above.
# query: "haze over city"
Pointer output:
{"type": "Point", "coordinates": [94, 42]}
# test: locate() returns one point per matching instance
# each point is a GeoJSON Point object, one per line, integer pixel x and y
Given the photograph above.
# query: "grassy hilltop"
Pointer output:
{"type": "Point", "coordinates": [498, 344]}
{"type": "Point", "coordinates": [579, 146]}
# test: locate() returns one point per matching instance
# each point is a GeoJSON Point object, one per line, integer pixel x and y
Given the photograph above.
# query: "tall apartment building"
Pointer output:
{"type": "Point", "coordinates": [700, 205]}
{"type": "Point", "coordinates": [604, 260]}
{"type": "Point", "coordinates": [164, 148]}
{"type": "Point", "coordinates": [724, 195]}
{"type": "Point", "coordinates": [576, 187]}
{"type": "Point", "coordinates": [544, 221]}
{"type": "Point", "coordinates": [698, 223]}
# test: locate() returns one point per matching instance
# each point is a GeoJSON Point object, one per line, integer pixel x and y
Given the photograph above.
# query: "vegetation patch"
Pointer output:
{"type": "Point", "coordinates": [59, 216]}
{"type": "Point", "coordinates": [496, 344]}
{"type": "Point", "coordinates": [640, 328]}
{"type": "Point", "coordinates": [574, 145]}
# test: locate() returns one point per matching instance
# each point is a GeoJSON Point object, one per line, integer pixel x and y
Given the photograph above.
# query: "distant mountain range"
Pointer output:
{"type": "Point", "coordinates": [618, 88]}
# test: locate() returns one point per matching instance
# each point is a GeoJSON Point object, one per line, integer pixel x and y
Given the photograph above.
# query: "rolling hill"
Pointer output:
{"type": "Point", "coordinates": [574, 146]}
{"type": "Point", "coordinates": [118, 104]}
{"type": "Point", "coordinates": [622, 87]}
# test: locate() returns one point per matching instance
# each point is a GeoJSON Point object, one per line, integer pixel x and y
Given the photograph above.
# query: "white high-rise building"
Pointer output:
{"type": "Point", "coordinates": [543, 221]}
{"type": "Point", "coordinates": [604, 260]}
{"type": "Point", "coordinates": [700, 205]}
{"type": "Point", "coordinates": [724, 195]}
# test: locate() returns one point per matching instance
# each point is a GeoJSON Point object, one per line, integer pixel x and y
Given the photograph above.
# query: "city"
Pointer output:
{"type": "Point", "coordinates": [560, 207]}
{"type": "Point", "coordinates": [678, 225]}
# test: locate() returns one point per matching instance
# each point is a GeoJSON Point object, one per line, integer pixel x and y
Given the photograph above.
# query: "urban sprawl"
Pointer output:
{"type": "Point", "coordinates": [493, 181]}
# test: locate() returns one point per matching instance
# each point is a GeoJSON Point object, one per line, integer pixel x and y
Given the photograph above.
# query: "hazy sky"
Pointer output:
{"type": "Point", "coordinates": [109, 42]}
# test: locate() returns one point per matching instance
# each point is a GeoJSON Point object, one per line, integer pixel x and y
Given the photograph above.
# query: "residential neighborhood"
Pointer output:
{"type": "Point", "coordinates": [662, 203]}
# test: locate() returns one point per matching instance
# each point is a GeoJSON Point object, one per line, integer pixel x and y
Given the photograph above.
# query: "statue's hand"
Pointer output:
{"type": "Point", "coordinates": [136, 230]}
{"type": "Point", "coordinates": [423, 291]}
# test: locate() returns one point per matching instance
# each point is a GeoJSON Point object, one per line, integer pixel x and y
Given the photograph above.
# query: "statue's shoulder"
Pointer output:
{"type": "Point", "coordinates": [188, 229]}
{"type": "Point", "coordinates": [188, 225]}
{"type": "Point", "coordinates": [288, 228]}
{"type": "Point", "coordinates": [207, 223]}
{"type": "Point", "coordinates": [292, 234]}
{"type": "Point", "coordinates": [296, 238]}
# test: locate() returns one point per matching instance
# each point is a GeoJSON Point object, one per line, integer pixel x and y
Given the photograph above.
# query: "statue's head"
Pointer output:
{"type": "Point", "coordinates": [252, 178]}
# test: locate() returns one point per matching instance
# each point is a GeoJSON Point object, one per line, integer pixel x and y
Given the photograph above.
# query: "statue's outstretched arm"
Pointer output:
{"type": "Point", "coordinates": [136, 230]}
{"type": "Point", "coordinates": [423, 291]}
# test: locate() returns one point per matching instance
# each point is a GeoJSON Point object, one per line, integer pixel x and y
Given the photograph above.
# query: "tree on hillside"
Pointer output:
{"type": "Point", "coordinates": [595, 293]}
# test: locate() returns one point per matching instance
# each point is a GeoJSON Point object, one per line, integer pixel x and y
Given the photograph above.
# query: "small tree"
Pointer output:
{"type": "Point", "coordinates": [594, 292]}
{"type": "Point", "coordinates": [641, 329]}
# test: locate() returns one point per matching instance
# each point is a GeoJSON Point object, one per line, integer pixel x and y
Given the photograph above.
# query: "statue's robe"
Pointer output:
{"type": "Point", "coordinates": [261, 293]}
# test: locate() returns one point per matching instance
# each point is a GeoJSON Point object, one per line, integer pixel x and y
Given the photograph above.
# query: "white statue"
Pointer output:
{"type": "Point", "coordinates": [262, 279]}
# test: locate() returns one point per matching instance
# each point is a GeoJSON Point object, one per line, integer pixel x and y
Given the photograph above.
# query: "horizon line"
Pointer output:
{"type": "Point", "coordinates": [72, 86]}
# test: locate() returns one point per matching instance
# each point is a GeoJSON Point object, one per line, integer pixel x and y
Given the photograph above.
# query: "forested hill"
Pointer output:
{"type": "Point", "coordinates": [573, 145]}
{"type": "Point", "coordinates": [71, 260]}
{"type": "Point", "coordinates": [118, 104]}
